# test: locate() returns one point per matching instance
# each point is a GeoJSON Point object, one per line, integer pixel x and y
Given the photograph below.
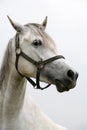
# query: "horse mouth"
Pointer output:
{"type": "Point", "coordinates": [61, 87]}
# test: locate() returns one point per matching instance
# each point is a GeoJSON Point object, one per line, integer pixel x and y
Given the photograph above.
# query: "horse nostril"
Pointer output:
{"type": "Point", "coordinates": [70, 74]}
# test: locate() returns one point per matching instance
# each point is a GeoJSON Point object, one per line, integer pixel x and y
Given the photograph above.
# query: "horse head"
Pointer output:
{"type": "Point", "coordinates": [34, 47]}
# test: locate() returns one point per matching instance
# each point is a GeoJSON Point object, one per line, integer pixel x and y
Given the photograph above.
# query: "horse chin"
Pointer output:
{"type": "Point", "coordinates": [61, 87]}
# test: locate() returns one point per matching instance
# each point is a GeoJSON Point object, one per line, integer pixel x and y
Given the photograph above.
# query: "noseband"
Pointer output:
{"type": "Point", "coordinates": [39, 64]}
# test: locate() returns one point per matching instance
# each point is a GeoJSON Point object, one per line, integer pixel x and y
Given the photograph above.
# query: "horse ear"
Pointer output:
{"type": "Point", "coordinates": [16, 26]}
{"type": "Point", "coordinates": [44, 23]}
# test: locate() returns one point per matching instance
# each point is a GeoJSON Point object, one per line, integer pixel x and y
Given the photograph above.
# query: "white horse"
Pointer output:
{"type": "Point", "coordinates": [30, 53]}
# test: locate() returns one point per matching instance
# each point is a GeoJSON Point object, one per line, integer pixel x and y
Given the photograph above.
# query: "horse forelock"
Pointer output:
{"type": "Point", "coordinates": [37, 30]}
{"type": "Point", "coordinates": [33, 24]}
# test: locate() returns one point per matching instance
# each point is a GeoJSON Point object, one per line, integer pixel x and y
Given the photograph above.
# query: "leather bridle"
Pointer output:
{"type": "Point", "coordinates": [39, 64]}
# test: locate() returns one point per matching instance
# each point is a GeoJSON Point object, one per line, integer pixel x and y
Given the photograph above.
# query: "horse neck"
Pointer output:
{"type": "Point", "coordinates": [12, 85]}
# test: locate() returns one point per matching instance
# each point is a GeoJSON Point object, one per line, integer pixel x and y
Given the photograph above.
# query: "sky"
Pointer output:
{"type": "Point", "coordinates": [67, 25]}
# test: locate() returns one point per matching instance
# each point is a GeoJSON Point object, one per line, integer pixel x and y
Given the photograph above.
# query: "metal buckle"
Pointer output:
{"type": "Point", "coordinates": [18, 51]}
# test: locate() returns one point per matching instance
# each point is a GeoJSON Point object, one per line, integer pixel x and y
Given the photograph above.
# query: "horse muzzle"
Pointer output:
{"type": "Point", "coordinates": [68, 83]}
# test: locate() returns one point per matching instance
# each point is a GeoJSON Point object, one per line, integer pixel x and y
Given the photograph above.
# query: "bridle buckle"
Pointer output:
{"type": "Point", "coordinates": [18, 51]}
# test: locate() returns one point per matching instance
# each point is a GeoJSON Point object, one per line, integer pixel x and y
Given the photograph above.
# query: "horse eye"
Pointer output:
{"type": "Point", "coordinates": [37, 43]}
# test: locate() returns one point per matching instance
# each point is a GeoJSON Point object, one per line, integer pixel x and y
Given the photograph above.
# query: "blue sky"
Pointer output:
{"type": "Point", "coordinates": [67, 25]}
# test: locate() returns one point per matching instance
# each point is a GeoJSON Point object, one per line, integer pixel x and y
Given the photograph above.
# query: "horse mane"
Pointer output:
{"type": "Point", "coordinates": [5, 63]}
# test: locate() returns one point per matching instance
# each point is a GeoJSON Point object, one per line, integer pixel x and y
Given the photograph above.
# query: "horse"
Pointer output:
{"type": "Point", "coordinates": [31, 53]}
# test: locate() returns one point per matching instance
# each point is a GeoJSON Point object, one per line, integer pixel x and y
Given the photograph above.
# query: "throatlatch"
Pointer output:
{"type": "Point", "coordinates": [39, 64]}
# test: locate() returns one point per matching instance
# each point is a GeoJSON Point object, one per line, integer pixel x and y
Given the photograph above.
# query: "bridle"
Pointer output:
{"type": "Point", "coordinates": [39, 64]}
